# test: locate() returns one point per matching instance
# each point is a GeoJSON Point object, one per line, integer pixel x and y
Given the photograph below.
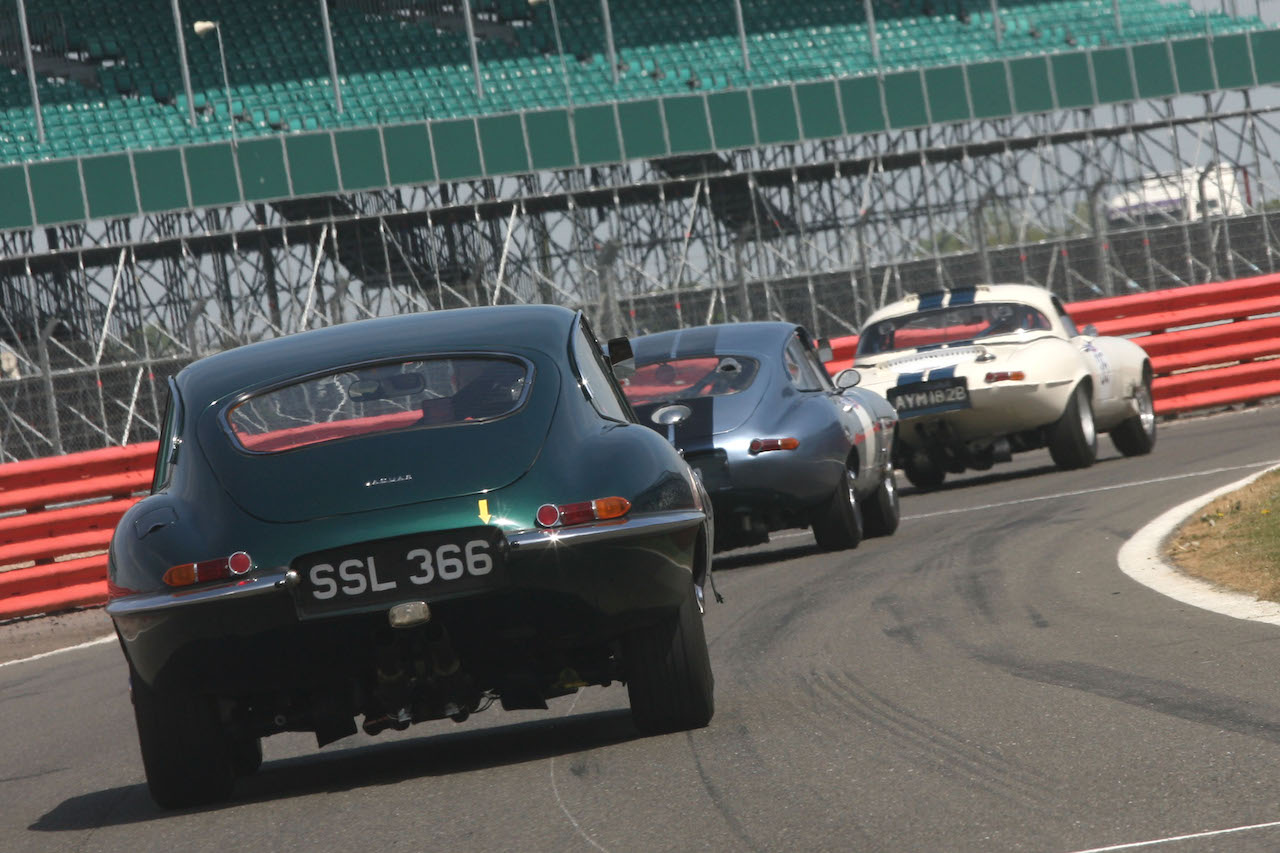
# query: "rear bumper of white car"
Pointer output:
{"type": "Point", "coordinates": [994, 411]}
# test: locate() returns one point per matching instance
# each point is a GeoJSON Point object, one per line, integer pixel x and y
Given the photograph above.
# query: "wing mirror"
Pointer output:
{"type": "Point", "coordinates": [618, 349]}
{"type": "Point", "coordinates": [621, 357]}
{"type": "Point", "coordinates": [825, 352]}
{"type": "Point", "coordinates": [847, 378]}
{"type": "Point", "coordinates": [1090, 330]}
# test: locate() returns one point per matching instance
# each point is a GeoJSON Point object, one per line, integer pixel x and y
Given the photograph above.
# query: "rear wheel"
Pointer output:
{"type": "Point", "coordinates": [883, 511]}
{"type": "Point", "coordinates": [1073, 440]}
{"type": "Point", "coordinates": [185, 751]}
{"type": "Point", "coordinates": [837, 525]}
{"type": "Point", "coordinates": [922, 472]}
{"type": "Point", "coordinates": [1137, 435]}
{"type": "Point", "coordinates": [246, 755]}
{"type": "Point", "coordinates": [669, 680]}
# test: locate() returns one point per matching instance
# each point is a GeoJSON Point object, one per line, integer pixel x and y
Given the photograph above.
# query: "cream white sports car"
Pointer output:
{"type": "Point", "coordinates": [978, 374]}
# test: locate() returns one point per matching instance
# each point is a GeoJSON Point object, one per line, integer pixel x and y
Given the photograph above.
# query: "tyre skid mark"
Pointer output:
{"type": "Point", "coordinates": [949, 753]}
{"type": "Point", "coordinates": [906, 627]}
{"type": "Point", "coordinates": [976, 588]}
{"type": "Point", "coordinates": [720, 801]}
{"type": "Point", "coordinates": [555, 791]}
{"type": "Point", "coordinates": [1165, 697]}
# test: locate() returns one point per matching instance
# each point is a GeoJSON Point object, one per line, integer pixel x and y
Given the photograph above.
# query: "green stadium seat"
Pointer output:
{"type": "Point", "coordinates": [395, 70]}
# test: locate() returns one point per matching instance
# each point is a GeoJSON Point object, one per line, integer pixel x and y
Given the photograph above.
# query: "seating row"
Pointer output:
{"type": "Point", "coordinates": [396, 66]}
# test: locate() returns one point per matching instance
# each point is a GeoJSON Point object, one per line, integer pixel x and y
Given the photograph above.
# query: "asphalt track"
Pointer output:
{"type": "Point", "coordinates": [986, 680]}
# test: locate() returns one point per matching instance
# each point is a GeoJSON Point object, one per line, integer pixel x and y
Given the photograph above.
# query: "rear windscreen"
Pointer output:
{"type": "Point", "coordinates": [697, 376]}
{"type": "Point", "coordinates": [954, 325]}
{"type": "Point", "coordinates": [357, 401]}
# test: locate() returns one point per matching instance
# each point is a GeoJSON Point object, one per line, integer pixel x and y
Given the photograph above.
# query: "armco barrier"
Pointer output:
{"type": "Point", "coordinates": [56, 509]}
{"type": "Point", "coordinates": [1210, 344]}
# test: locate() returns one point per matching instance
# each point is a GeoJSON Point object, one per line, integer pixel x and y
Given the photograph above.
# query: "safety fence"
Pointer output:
{"type": "Point", "coordinates": [57, 515]}
{"type": "Point", "coordinates": [1210, 344]}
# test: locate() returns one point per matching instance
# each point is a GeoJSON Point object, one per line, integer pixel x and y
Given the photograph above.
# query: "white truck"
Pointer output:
{"type": "Point", "coordinates": [1184, 196]}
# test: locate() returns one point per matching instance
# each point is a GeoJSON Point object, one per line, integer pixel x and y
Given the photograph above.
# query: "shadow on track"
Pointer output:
{"type": "Point", "coordinates": [364, 766]}
{"type": "Point", "coordinates": [744, 559]}
{"type": "Point", "coordinates": [996, 475]}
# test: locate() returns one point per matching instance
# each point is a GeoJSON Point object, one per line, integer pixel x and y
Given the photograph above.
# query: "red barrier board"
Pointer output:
{"type": "Point", "coordinates": [1238, 377]}
{"type": "Point", "coordinates": [52, 576]}
{"type": "Point", "coordinates": [1162, 320]}
{"type": "Point", "coordinates": [89, 594]}
{"type": "Point", "coordinates": [77, 466]}
{"type": "Point", "coordinates": [59, 522]}
{"type": "Point", "coordinates": [38, 497]}
{"type": "Point", "coordinates": [1097, 311]}
{"type": "Point", "coordinates": [45, 550]}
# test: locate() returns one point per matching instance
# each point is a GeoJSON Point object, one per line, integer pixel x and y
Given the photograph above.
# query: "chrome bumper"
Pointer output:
{"type": "Point", "coordinates": [603, 531]}
{"type": "Point", "coordinates": [259, 584]}
{"type": "Point", "coordinates": [524, 541]}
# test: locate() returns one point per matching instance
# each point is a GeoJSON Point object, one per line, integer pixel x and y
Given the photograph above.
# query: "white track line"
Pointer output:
{"type": "Point", "coordinates": [1139, 558]}
{"type": "Point", "coordinates": [1174, 838]}
{"type": "Point", "coordinates": [1267, 465]}
{"type": "Point", "coordinates": [98, 642]}
{"type": "Point", "coordinates": [1205, 473]}
{"type": "Point", "coordinates": [556, 791]}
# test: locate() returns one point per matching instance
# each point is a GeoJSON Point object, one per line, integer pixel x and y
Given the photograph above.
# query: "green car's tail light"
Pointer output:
{"type": "Point", "coordinates": [764, 445]}
{"type": "Point", "coordinates": [186, 574]}
{"type": "Point", "coordinates": [600, 509]}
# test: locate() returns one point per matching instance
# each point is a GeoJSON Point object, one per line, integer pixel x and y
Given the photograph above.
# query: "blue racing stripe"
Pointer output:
{"type": "Point", "coordinates": [932, 300]}
{"type": "Point", "coordinates": [963, 296]}
{"type": "Point", "coordinates": [943, 372]}
{"type": "Point", "coordinates": [910, 378]}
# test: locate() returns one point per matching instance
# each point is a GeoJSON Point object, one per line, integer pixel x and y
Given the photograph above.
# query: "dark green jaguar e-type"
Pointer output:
{"type": "Point", "coordinates": [399, 520]}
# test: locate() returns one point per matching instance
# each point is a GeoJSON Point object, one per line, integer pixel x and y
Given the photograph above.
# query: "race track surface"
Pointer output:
{"type": "Point", "coordinates": [985, 680]}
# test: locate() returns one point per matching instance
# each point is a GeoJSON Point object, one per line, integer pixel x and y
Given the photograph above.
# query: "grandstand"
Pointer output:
{"type": "Point", "coordinates": [113, 81]}
{"type": "Point", "coordinates": [660, 162]}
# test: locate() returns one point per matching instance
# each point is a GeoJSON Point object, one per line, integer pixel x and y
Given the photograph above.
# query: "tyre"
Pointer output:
{"type": "Point", "coordinates": [246, 755]}
{"type": "Point", "coordinates": [922, 472]}
{"type": "Point", "coordinates": [669, 680]}
{"type": "Point", "coordinates": [1073, 441]}
{"type": "Point", "coordinates": [1137, 435]}
{"type": "Point", "coordinates": [837, 525]}
{"type": "Point", "coordinates": [185, 752]}
{"type": "Point", "coordinates": [880, 518]}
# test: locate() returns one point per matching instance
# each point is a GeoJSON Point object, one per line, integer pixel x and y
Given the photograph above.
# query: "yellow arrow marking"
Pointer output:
{"type": "Point", "coordinates": [484, 512]}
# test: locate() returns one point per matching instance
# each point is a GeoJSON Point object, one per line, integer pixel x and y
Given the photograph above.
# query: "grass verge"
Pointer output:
{"type": "Point", "coordinates": [1235, 540]}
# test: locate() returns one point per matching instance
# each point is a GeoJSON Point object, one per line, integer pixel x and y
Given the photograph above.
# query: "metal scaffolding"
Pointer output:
{"type": "Point", "coordinates": [92, 317]}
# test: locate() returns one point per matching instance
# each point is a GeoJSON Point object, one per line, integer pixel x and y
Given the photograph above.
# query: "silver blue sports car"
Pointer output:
{"type": "Point", "coordinates": [776, 443]}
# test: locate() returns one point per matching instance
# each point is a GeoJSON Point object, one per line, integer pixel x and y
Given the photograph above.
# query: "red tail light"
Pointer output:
{"type": "Point", "coordinates": [600, 509]}
{"type": "Point", "coordinates": [1006, 376]}
{"type": "Point", "coordinates": [221, 568]}
{"type": "Point", "coordinates": [764, 445]}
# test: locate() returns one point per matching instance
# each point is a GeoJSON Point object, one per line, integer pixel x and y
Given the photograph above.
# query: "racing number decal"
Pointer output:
{"type": "Point", "coordinates": [446, 562]}
{"type": "Point", "coordinates": [1104, 370]}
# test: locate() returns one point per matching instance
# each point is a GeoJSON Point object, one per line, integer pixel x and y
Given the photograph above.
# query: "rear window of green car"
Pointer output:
{"type": "Point", "coordinates": [389, 396]}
